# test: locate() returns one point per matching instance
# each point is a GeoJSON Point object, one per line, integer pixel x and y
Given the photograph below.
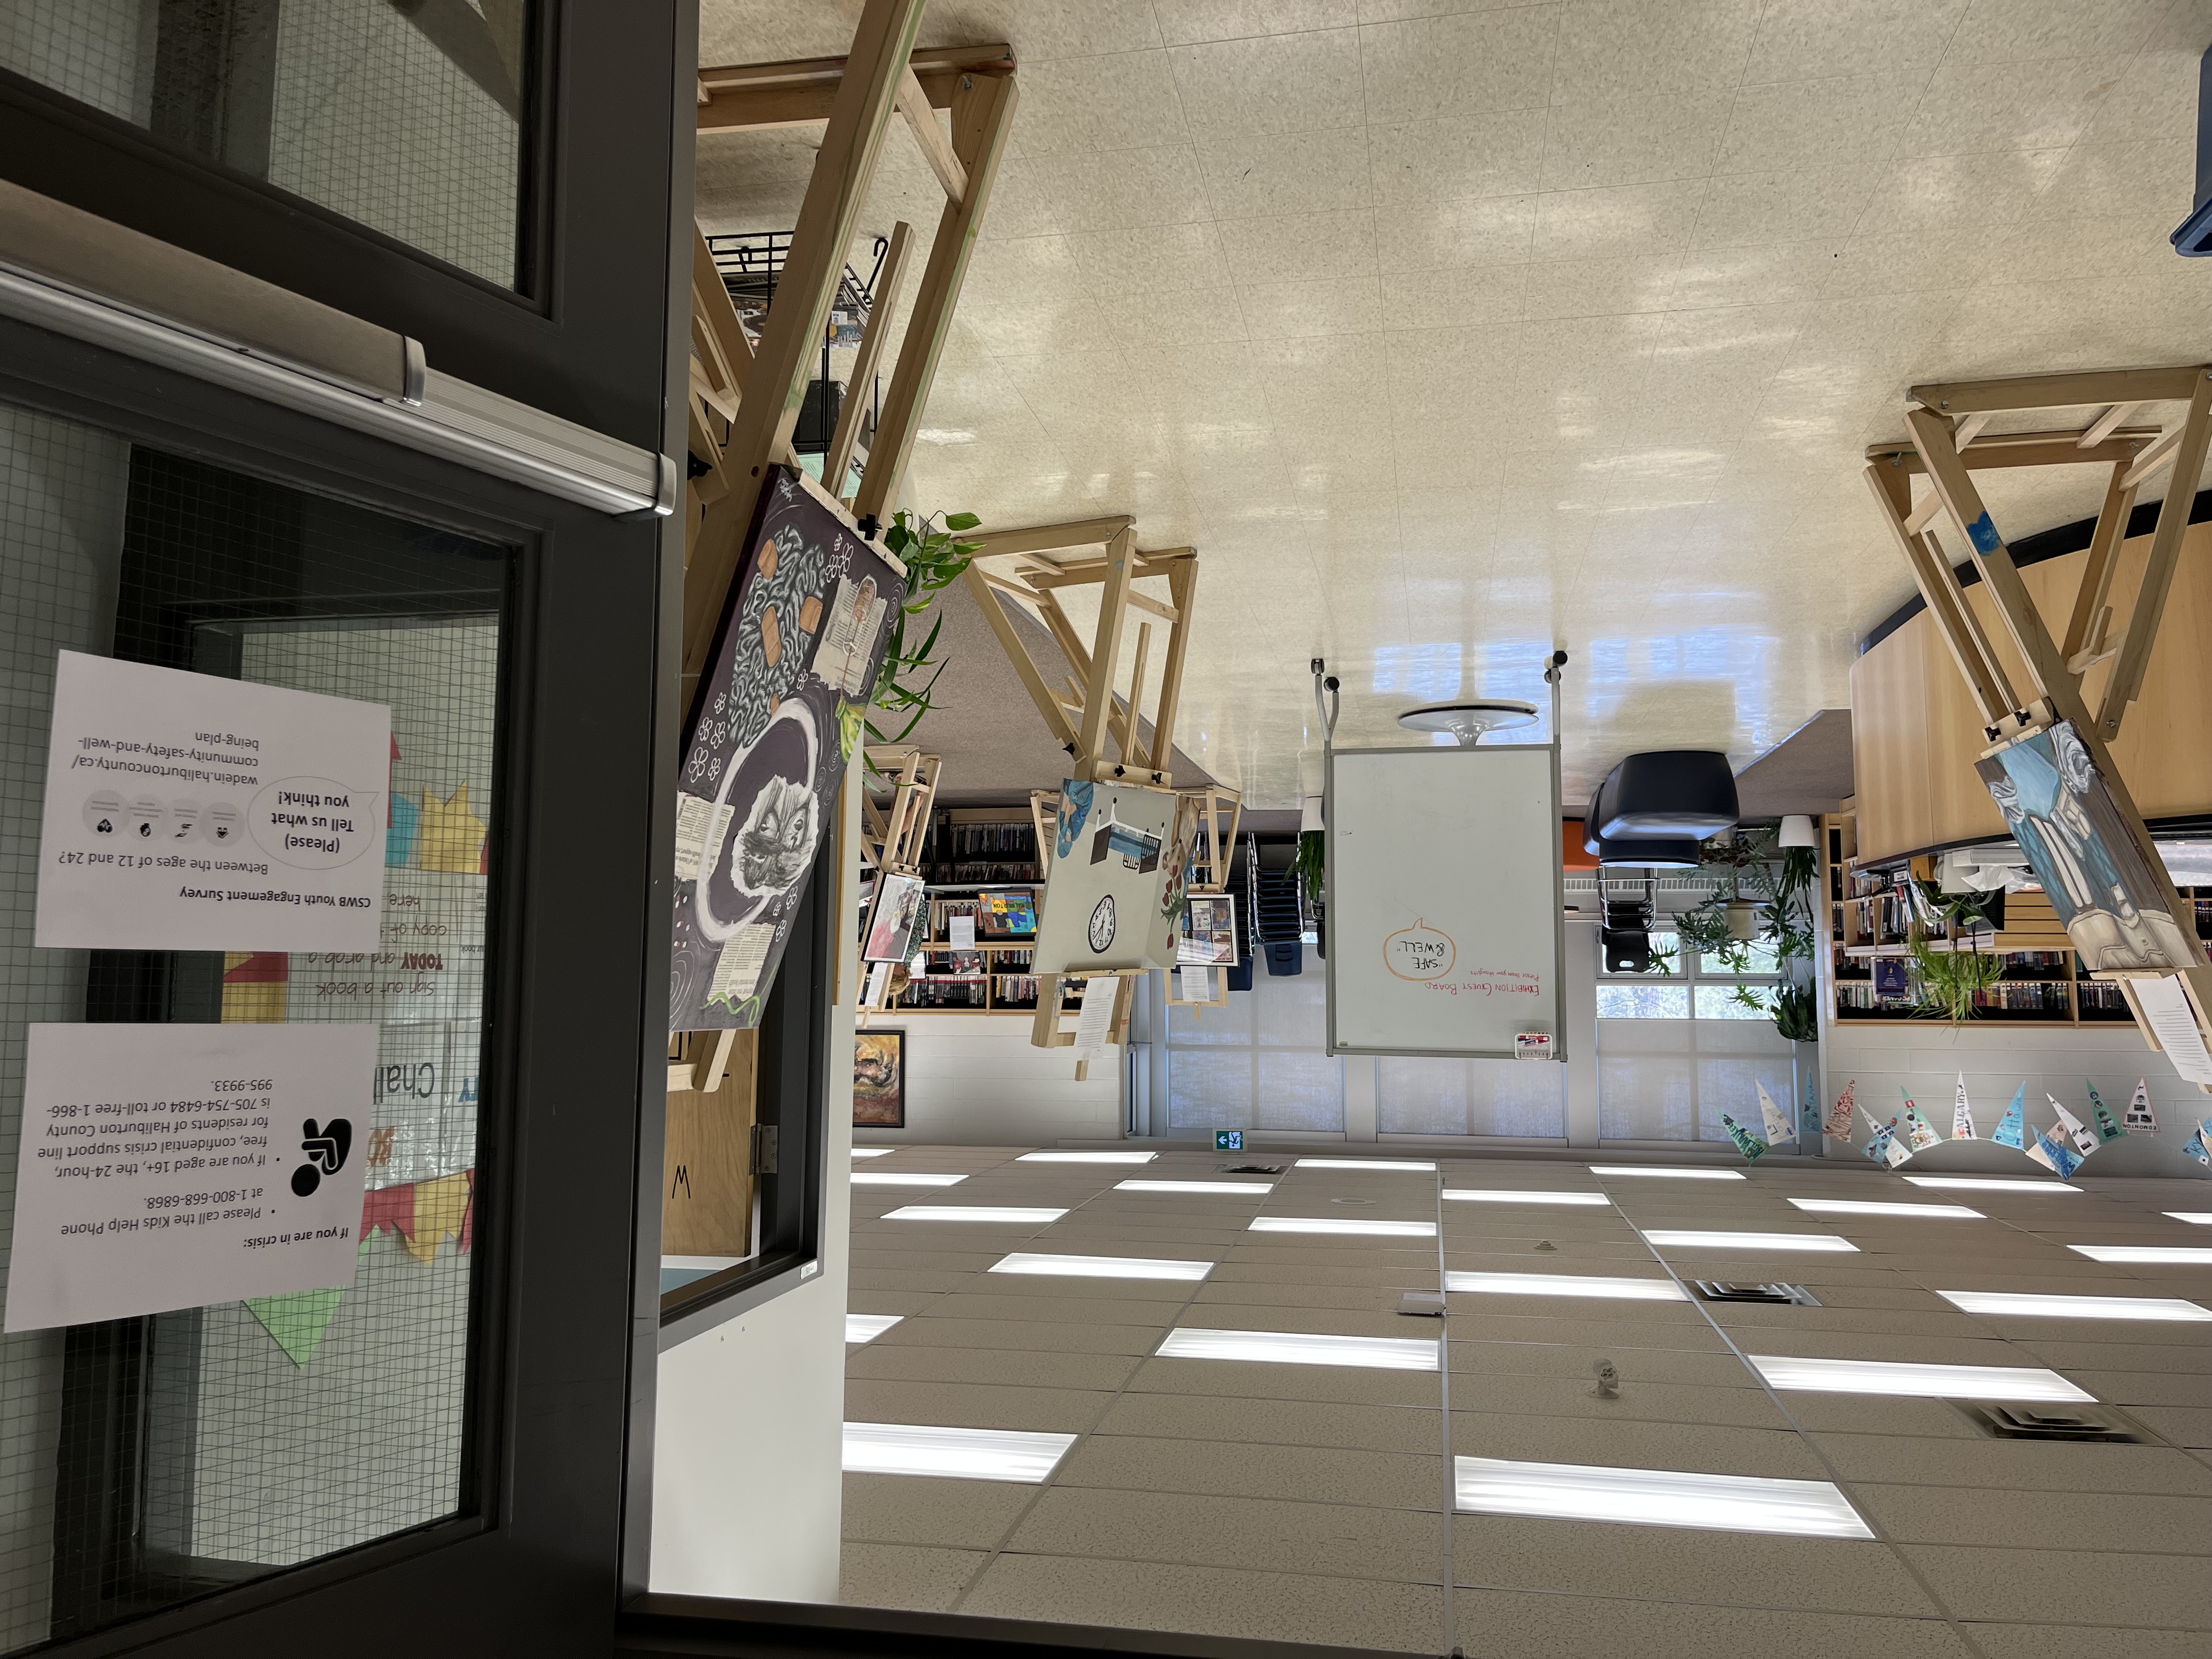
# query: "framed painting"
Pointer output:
{"type": "Point", "coordinates": [879, 1080]}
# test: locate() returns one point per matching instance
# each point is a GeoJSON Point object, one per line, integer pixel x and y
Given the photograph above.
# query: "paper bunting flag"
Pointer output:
{"type": "Point", "coordinates": [2108, 1128]}
{"type": "Point", "coordinates": [1962, 1115]}
{"type": "Point", "coordinates": [1918, 1129]}
{"type": "Point", "coordinates": [1778, 1129]}
{"type": "Point", "coordinates": [2195, 1147]}
{"type": "Point", "coordinates": [1839, 1125]}
{"type": "Point", "coordinates": [297, 1320]}
{"type": "Point", "coordinates": [1748, 1143]}
{"type": "Point", "coordinates": [2012, 1129]}
{"type": "Point", "coordinates": [1808, 1113]}
{"type": "Point", "coordinates": [424, 1213]}
{"type": "Point", "coordinates": [1884, 1147]}
{"type": "Point", "coordinates": [2141, 1119]}
{"type": "Point", "coordinates": [2072, 1128]}
{"type": "Point", "coordinates": [2054, 1156]}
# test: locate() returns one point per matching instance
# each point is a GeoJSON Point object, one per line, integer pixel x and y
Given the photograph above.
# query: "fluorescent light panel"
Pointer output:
{"type": "Point", "coordinates": [873, 1151]}
{"type": "Point", "coordinates": [1387, 1354]}
{"type": "Point", "coordinates": [1255, 1188]}
{"type": "Point", "coordinates": [2202, 1217]}
{"type": "Point", "coordinates": [2021, 1304]}
{"type": "Point", "coordinates": [961, 1453]}
{"type": "Point", "coordinates": [1625, 1290]}
{"type": "Point", "coordinates": [1671, 1175]}
{"type": "Point", "coordinates": [1494, 1195]}
{"type": "Point", "coordinates": [1925, 1382]}
{"type": "Point", "coordinates": [1700, 1240]}
{"type": "Point", "coordinates": [1654, 1497]}
{"type": "Point", "coordinates": [1871, 1206]}
{"type": "Point", "coordinates": [866, 1328]}
{"type": "Point", "coordinates": [970, 1213]}
{"type": "Point", "coordinates": [1992, 1183]}
{"type": "Point", "coordinates": [1086, 1157]}
{"type": "Point", "coordinates": [1329, 1224]}
{"type": "Point", "coordinates": [2172, 1255]}
{"type": "Point", "coordinates": [1101, 1266]}
{"type": "Point", "coordinates": [867, 1178]}
{"type": "Point", "coordinates": [1362, 1164]}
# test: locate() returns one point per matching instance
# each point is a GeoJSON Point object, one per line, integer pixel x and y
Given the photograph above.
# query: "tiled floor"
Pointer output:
{"type": "Point", "coordinates": [1308, 1503]}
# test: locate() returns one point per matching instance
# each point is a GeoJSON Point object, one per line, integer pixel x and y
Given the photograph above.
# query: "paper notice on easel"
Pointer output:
{"type": "Point", "coordinates": [1094, 1022]}
{"type": "Point", "coordinates": [738, 970]}
{"type": "Point", "coordinates": [1197, 984]}
{"type": "Point", "coordinates": [878, 975]}
{"type": "Point", "coordinates": [961, 931]}
{"type": "Point", "coordinates": [2172, 1019]}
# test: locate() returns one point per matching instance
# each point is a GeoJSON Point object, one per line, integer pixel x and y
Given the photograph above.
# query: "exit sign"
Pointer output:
{"type": "Point", "coordinates": [1228, 1141]}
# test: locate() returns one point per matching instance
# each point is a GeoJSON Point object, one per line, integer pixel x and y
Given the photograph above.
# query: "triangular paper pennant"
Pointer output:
{"type": "Point", "coordinates": [2141, 1119]}
{"type": "Point", "coordinates": [2012, 1128]}
{"type": "Point", "coordinates": [1779, 1129]}
{"type": "Point", "coordinates": [1962, 1115]}
{"type": "Point", "coordinates": [1918, 1129]}
{"type": "Point", "coordinates": [2055, 1155]}
{"type": "Point", "coordinates": [2072, 1128]}
{"type": "Point", "coordinates": [1748, 1143]}
{"type": "Point", "coordinates": [2108, 1128]}
{"type": "Point", "coordinates": [1839, 1125]}
{"type": "Point", "coordinates": [297, 1320]}
{"type": "Point", "coordinates": [2196, 1148]}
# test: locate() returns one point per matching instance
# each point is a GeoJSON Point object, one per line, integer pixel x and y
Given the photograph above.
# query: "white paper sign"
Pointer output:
{"type": "Point", "coordinates": [962, 930]}
{"type": "Point", "coordinates": [2173, 1023]}
{"type": "Point", "coordinates": [185, 812]}
{"type": "Point", "coordinates": [173, 1166]}
{"type": "Point", "coordinates": [1196, 984]}
{"type": "Point", "coordinates": [1094, 1022]}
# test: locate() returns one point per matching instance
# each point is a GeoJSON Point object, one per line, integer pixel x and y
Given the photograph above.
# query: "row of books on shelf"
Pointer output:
{"type": "Point", "coordinates": [995, 991]}
{"type": "Point", "coordinates": [950, 842]}
{"type": "Point", "coordinates": [971, 965]}
{"type": "Point", "coordinates": [975, 873]}
{"type": "Point", "coordinates": [2042, 999]}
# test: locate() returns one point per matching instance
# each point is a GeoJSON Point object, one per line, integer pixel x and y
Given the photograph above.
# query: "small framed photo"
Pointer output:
{"type": "Point", "coordinates": [879, 1080]}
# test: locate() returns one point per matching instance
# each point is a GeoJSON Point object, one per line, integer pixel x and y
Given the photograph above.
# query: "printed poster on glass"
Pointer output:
{"type": "Point", "coordinates": [778, 717]}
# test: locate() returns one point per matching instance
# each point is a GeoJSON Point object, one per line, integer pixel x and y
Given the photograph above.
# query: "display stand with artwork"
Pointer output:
{"type": "Point", "coordinates": [2050, 768]}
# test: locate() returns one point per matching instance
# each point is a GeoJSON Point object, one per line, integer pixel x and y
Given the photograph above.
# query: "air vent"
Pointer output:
{"type": "Point", "coordinates": [2007, 1419]}
{"type": "Point", "coordinates": [1367, 1202]}
{"type": "Point", "coordinates": [1250, 1169]}
{"type": "Point", "coordinates": [1737, 1289]}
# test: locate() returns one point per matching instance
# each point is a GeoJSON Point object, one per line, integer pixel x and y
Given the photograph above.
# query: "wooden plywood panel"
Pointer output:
{"type": "Point", "coordinates": [707, 1200]}
{"type": "Point", "coordinates": [1916, 736]}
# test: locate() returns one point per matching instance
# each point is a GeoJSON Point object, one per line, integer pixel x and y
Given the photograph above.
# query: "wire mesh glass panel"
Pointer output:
{"type": "Point", "coordinates": [147, 1459]}
{"type": "Point", "coordinates": [407, 118]}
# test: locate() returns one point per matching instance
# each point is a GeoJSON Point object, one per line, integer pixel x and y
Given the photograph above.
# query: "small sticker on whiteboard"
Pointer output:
{"type": "Point", "coordinates": [1532, 1045]}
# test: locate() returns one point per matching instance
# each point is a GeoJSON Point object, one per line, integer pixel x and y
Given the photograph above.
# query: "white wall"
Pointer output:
{"type": "Point", "coordinates": [975, 1080]}
{"type": "Point", "coordinates": [1927, 1057]}
{"type": "Point", "coordinates": [747, 1480]}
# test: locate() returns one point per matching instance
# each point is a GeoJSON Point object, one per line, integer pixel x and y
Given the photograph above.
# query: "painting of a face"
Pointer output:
{"type": "Point", "coordinates": [776, 843]}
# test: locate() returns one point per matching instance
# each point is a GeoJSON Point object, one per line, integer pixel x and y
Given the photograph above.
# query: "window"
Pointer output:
{"type": "Point", "coordinates": [1687, 1041]}
{"type": "Point", "coordinates": [1258, 1063]}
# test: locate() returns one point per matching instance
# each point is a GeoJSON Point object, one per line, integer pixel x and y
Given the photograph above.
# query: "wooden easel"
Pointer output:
{"type": "Point", "coordinates": [2041, 686]}
{"type": "Point", "coordinates": [891, 836]}
{"type": "Point", "coordinates": [1044, 1030]}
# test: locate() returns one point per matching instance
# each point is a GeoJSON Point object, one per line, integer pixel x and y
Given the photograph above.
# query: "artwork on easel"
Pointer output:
{"type": "Point", "coordinates": [2060, 809]}
{"type": "Point", "coordinates": [898, 903]}
{"type": "Point", "coordinates": [879, 1080]}
{"type": "Point", "coordinates": [1115, 891]}
{"type": "Point", "coordinates": [778, 716]}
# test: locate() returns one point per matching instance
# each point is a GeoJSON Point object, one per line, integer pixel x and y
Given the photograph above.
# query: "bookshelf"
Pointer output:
{"type": "Point", "coordinates": [992, 977]}
{"type": "Point", "coordinates": [1870, 975]}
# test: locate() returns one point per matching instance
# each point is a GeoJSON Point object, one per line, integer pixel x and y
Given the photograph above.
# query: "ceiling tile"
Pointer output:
{"type": "Point", "coordinates": [1341, 305]}
{"type": "Point", "coordinates": [1602, 288]}
{"type": "Point", "coordinates": [1184, 22]}
{"type": "Point", "coordinates": [1177, 316]}
{"type": "Point", "coordinates": [1116, 190]}
{"type": "Point", "coordinates": [1631, 140]}
{"type": "Point", "coordinates": [1124, 101]}
{"type": "Point", "coordinates": [1042, 29]}
{"type": "Point", "coordinates": [1299, 247]}
{"type": "Point", "coordinates": [1249, 177]}
{"type": "Point", "coordinates": [1500, 155]}
{"type": "Point", "coordinates": [1938, 192]}
{"type": "Point", "coordinates": [1805, 39]}
{"type": "Point", "coordinates": [1279, 83]}
{"type": "Point", "coordinates": [1755, 276]}
{"type": "Point", "coordinates": [1442, 299]}
{"type": "Point", "coordinates": [1473, 63]}
{"type": "Point", "coordinates": [2156, 97]}
{"type": "Point", "coordinates": [1161, 258]}
{"type": "Point", "coordinates": [2037, 104]}
{"type": "Point", "coordinates": [2004, 31]}
{"type": "Point", "coordinates": [1748, 209]}
{"type": "Point", "coordinates": [2098, 180]}
{"type": "Point", "coordinates": [1615, 49]}
{"type": "Point", "coordinates": [1491, 230]}
{"type": "Point", "coordinates": [1624, 220]}
{"type": "Point", "coordinates": [1798, 126]}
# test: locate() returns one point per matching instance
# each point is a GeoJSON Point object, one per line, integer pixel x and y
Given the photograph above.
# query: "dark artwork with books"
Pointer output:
{"type": "Point", "coordinates": [777, 719]}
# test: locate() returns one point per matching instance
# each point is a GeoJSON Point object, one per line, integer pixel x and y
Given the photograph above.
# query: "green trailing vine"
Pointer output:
{"type": "Point", "coordinates": [935, 558]}
{"type": "Point", "coordinates": [1311, 865]}
{"type": "Point", "coordinates": [1950, 980]}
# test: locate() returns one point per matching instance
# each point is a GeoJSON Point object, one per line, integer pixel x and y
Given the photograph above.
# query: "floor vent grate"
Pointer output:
{"type": "Point", "coordinates": [1250, 1169]}
{"type": "Point", "coordinates": [1738, 1290]}
{"type": "Point", "coordinates": [2008, 1419]}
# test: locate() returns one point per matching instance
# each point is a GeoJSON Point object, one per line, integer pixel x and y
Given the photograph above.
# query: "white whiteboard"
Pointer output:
{"type": "Point", "coordinates": [1446, 901]}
